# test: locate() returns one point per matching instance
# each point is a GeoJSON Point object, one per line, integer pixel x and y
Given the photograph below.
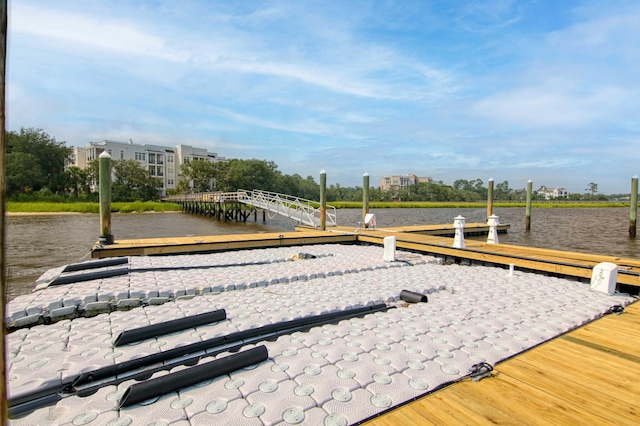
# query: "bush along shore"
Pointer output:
{"type": "Point", "coordinates": [156, 206]}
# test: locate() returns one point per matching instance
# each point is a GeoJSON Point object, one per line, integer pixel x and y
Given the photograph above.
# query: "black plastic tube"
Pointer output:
{"type": "Point", "coordinates": [154, 330]}
{"type": "Point", "coordinates": [90, 382]}
{"type": "Point", "coordinates": [161, 385]}
{"type": "Point", "coordinates": [76, 278]}
{"type": "Point", "coordinates": [102, 263]}
{"type": "Point", "coordinates": [413, 297]}
{"type": "Point", "coordinates": [149, 360]}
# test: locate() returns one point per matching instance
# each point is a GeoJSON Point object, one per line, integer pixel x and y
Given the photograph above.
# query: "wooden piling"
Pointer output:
{"type": "Point", "coordinates": [105, 198]}
{"type": "Point", "coordinates": [633, 215]}
{"type": "Point", "coordinates": [365, 196]}
{"type": "Point", "coordinates": [528, 218]}
{"type": "Point", "coordinates": [3, 187]}
{"type": "Point", "coordinates": [490, 198]}
{"type": "Point", "coordinates": [323, 200]}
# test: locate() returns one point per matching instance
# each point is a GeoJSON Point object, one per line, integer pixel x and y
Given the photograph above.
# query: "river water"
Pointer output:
{"type": "Point", "coordinates": [36, 243]}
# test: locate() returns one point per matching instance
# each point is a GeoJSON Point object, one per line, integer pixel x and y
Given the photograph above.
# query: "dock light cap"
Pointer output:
{"type": "Point", "coordinates": [490, 179]}
{"type": "Point", "coordinates": [365, 174]}
{"type": "Point", "coordinates": [104, 154]}
{"type": "Point", "coordinates": [322, 172]}
{"type": "Point", "coordinates": [634, 177]}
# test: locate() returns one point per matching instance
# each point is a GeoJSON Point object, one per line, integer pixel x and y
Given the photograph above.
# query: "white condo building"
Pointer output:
{"type": "Point", "coordinates": [162, 162]}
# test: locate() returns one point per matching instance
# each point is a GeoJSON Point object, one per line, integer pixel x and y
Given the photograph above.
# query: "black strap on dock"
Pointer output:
{"type": "Point", "coordinates": [88, 383]}
{"type": "Point", "coordinates": [154, 330]}
{"type": "Point", "coordinates": [95, 264]}
{"type": "Point", "coordinates": [88, 276]}
{"type": "Point", "coordinates": [151, 388]}
{"type": "Point", "coordinates": [284, 327]}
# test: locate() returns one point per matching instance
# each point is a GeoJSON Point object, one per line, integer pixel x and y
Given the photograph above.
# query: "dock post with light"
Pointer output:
{"type": "Point", "coordinates": [633, 215]}
{"type": "Point", "coordinates": [528, 209]}
{"type": "Point", "coordinates": [323, 200]}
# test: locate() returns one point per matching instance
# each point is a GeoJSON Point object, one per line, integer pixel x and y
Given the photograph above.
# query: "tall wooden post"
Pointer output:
{"type": "Point", "coordinates": [365, 195]}
{"type": "Point", "coordinates": [323, 200]}
{"type": "Point", "coordinates": [3, 190]}
{"type": "Point", "coordinates": [490, 198]}
{"type": "Point", "coordinates": [633, 215]}
{"type": "Point", "coordinates": [528, 219]}
{"type": "Point", "coordinates": [105, 198]}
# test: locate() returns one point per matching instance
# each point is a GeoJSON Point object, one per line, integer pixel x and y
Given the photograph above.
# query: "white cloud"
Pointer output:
{"type": "Point", "coordinates": [556, 103]}
{"type": "Point", "coordinates": [76, 29]}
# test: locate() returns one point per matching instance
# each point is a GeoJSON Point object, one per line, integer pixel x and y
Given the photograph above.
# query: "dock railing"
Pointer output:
{"type": "Point", "coordinates": [302, 210]}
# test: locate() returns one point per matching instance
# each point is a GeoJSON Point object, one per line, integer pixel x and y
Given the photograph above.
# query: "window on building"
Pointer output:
{"type": "Point", "coordinates": [122, 155]}
{"type": "Point", "coordinates": [159, 159]}
{"type": "Point", "coordinates": [152, 170]}
{"type": "Point", "coordinates": [170, 182]}
{"type": "Point", "coordinates": [109, 151]}
{"type": "Point", "coordinates": [160, 171]}
{"type": "Point", "coordinates": [140, 156]}
{"type": "Point", "coordinates": [169, 158]}
{"type": "Point", "coordinates": [152, 158]}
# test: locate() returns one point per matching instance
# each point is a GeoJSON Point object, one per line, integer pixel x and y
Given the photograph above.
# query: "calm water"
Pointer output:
{"type": "Point", "coordinates": [40, 242]}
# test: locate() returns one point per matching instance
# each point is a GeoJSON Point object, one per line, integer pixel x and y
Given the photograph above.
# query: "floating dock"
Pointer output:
{"type": "Point", "coordinates": [483, 345]}
{"type": "Point", "coordinates": [435, 240]}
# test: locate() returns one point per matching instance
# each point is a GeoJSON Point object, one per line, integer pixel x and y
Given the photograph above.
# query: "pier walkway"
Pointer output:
{"type": "Point", "coordinates": [241, 204]}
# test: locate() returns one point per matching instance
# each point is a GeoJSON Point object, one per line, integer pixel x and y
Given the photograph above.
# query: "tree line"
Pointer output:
{"type": "Point", "coordinates": [37, 169]}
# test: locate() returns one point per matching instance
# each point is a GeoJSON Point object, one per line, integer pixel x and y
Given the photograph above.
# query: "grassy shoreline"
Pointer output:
{"type": "Point", "coordinates": [16, 207]}
{"type": "Point", "coordinates": [87, 207]}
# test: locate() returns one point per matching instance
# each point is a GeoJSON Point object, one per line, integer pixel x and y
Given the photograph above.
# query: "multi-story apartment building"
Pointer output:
{"type": "Point", "coordinates": [396, 183]}
{"type": "Point", "coordinates": [550, 193]}
{"type": "Point", "coordinates": [162, 162]}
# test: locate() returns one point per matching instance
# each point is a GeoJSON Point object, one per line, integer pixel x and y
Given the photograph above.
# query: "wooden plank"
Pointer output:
{"type": "Point", "coordinates": [618, 338]}
{"type": "Point", "coordinates": [593, 372]}
{"type": "Point", "coordinates": [570, 391]}
{"type": "Point", "coordinates": [440, 409]}
{"type": "Point", "coordinates": [216, 243]}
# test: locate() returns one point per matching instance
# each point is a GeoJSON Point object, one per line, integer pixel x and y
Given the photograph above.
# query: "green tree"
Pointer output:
{"type": "Point", "coordinates": [197, 176]}
{"type": "Point", "coordinates": [75, 180]}
{"type": "Point", "coordinates": [502, 191]}
{"type": "Point", "coordinates": [592, 188]}
{"type": "Point", "coordinates": [252, 174]}
{"type": "Point", "coordinates": [35, 160]}
{"type": "Point", "coordinates": [23, 173]}
{"type": "Point", "coordinates": [132, 182]}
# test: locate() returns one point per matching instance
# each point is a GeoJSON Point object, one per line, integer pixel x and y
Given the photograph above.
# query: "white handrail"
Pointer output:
{"type": "Point", "coordinates": [300, 209]}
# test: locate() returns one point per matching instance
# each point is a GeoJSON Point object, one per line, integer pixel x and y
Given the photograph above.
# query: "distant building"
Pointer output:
{"type": "Point", "coordinates": [162, 162]}
{"type": "Point", "coordinates": [549, 193]}
{"type": "Point", "coordinates": [396, 183]}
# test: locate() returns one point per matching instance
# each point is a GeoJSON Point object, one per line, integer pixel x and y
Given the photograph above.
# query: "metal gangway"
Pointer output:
{"type": "Point", "coordinates": [296, 208]}
{"type": "Point", "coordinates": [304, 211]}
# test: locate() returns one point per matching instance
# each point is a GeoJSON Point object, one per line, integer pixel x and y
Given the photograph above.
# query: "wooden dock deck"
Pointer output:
{"type": "Point", "coordinates": [586, 377]}
{"type": "Point", "coordinates": [430, 239]}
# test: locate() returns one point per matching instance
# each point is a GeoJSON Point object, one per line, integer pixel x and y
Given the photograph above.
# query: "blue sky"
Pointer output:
{"type": "Point", "coordinates": [512, 90]}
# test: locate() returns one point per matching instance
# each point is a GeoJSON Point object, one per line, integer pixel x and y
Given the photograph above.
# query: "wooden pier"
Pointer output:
{"type": "Point", "coordinates": [225, 206]}
{"type": "Point", "coordinates": [431, 239]}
